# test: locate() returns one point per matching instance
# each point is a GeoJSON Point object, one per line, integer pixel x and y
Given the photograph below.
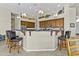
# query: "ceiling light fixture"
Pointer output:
{"type": "Point", "coordinates": [77, 20]}
{"type": "Point", "coordinates": [18, 17]}
{"type": "Point", "coordinates": [58, 5]}
{"type": "Point", "coordinates": [24, 14]}
{"type": "Point", "coordinates": [40, 12]}
{"type": "Point", "coordinates": [55, 14]}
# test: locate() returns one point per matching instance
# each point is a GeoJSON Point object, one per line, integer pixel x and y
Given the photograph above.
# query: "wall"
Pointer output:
{"type": "Point", "coordinates": [66, 18]}
{"type": "Point", "coordinates": [77, 27]}
{"type": "Point", "coordinates": [12, 23]}
{"type": "Point", "coordinates": [69, 17]}
{"type": "Point", "coordinates": [77, 11]}
{"type": "Point", "coordinates": [77, 17]}
{"type": "Point", "coordinates": [17, 23]}
{"type": "Point", "coordinates": [5, 20]}
{"type": "Point", "coordinates": [72, 15]}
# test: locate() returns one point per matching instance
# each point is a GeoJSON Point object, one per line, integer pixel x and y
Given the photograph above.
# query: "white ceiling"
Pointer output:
{"type": "Point", "coordinates": [32, 9]}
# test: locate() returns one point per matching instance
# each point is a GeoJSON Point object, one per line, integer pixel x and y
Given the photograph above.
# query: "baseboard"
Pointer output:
{"type": "Point", "coordinates": [40, 49]}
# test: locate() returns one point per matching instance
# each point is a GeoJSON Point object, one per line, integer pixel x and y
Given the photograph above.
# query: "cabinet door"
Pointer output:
{"type": "Point", "coordinates": [48, 23]}
{"type": "Point", "coordinates": [54, 23]}
{"type": "Point", "coordinates": [28, 24]}
{"type": "Point", "coordinates": [41, 24]}
{"type": "Point", "coordinates": [61, 22]}
{"type": "Point", "coordinates": [57, 23]}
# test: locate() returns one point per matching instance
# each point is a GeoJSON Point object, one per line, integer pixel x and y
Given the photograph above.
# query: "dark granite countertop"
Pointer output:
{"type": "Point", "coordinates": [77, 33]}
{"type": "Point", "coordinates": [40, 29]}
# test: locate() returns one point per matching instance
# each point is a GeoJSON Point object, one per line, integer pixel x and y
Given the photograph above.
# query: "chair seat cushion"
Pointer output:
{"type": "Point", "coordinates": [17, 39]}
{"type": "Point", "coordinates": [61, 38]}
{"type": "Point", "coordinates": [13, 38]}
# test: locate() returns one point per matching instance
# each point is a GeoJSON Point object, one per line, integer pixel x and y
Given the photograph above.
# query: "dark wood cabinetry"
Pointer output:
{"type": "Point", "coordinates": [52, 23]}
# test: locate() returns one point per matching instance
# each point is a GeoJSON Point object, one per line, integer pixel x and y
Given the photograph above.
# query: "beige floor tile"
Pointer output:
{"type": "Point", "coordinates": [4, 52]}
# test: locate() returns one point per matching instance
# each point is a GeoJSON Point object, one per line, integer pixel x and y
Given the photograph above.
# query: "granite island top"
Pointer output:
{"type": "Point", "coordinates": [38, 30]}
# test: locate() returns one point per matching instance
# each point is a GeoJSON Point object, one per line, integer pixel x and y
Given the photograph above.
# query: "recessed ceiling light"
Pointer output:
{"type": "Point", "coordinates": [58, 5]}
{"type": "Point", "coordinates": [30, 8]}
{"type": "Point", "coordinates": [19, 3]}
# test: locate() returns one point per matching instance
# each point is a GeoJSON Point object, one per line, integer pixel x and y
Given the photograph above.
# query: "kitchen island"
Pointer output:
{"type": "Point", "coordinates": [40, 41]}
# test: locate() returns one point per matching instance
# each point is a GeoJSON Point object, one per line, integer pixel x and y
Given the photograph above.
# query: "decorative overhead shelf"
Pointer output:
{"type": "Point", "coordinates": [46, 16]}
{"type": "Point", "coordinates": [23, 16]}
{"type": "Point", "coordinates": [61, 11]}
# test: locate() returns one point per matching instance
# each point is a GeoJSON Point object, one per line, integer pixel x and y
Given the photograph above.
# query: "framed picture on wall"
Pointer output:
{"type": "Point", "coordinates": [72, 25]}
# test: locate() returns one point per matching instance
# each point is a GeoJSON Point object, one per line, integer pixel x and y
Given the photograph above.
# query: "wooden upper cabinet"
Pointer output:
{"type": "Point", "coordinates": [43, 24]}
{"type": "Point", "coordinates": [59, 22]}
{"type": "Point", "coordinates": [40, 24]}
{"type": "Point", "coordinates": [62, 22]}
{"type": "Point", "coordinates": [52, 23]}
{"type": "Point", "coordinates": [28, 24]}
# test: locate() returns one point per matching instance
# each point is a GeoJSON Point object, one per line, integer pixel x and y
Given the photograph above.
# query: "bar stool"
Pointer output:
{"type": "Point", "coordinates": [62, 39]}
{"type": "Point", "coordinates": [72, 46]}
{"type": "Point", "coordinates": [13, 40]}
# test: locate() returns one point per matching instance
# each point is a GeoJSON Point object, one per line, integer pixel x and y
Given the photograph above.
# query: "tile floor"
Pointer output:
{"type": "Point", "coordinates": [4, 52]}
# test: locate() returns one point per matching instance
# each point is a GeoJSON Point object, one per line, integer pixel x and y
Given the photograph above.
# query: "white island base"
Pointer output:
{"type": "Point", "coordinates": [40, 41]}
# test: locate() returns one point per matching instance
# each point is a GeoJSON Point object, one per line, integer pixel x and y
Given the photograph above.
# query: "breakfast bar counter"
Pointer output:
{"type": "Point", "coordinates": [40, 40]}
